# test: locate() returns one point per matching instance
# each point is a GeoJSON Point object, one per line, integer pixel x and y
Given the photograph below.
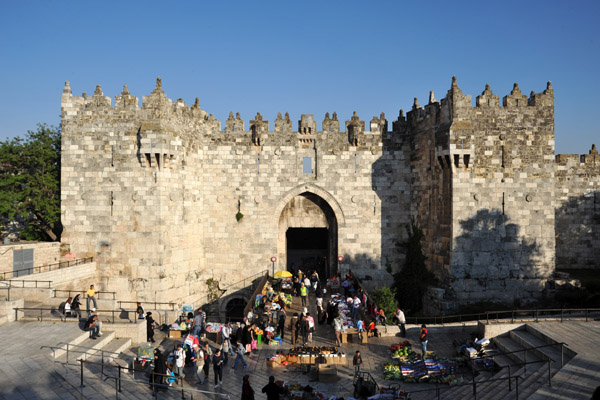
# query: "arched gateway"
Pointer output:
{"type": "Point", "coordinates": [308, 222]}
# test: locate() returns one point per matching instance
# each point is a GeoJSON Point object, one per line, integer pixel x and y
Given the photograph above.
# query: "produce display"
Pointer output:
{"type": "Point", "coordinates": [421, 371]}
{"type": "Point", "coordinates": [325, 350]}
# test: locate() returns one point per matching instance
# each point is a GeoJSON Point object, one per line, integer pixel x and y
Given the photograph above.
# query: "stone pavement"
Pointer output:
{"type": "Point", "coordinates": [375, 354]}
{"type": "Point", "coordinates": [28, 372]}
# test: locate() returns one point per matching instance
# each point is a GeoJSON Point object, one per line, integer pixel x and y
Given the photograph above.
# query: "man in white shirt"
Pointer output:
{"type": "Point", "coordinates": [179, 361]}
{"type": "Point", "coordinates": [401, 321]}
{"type": "Point", "coordinates": [355, 307]}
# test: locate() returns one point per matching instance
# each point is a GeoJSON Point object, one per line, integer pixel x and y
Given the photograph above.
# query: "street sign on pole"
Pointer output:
{"type": "Point", "coordinates": [273, 260]}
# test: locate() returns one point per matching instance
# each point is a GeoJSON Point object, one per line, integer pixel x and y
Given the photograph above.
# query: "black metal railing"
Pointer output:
{"type": "Point", "coordinates": [119, 380]}
{"type": "Point", "coordinates": [54, 311]}
{"type": "Point", "coordinates": [155, 304]}
{"type": "Point", "coordinates": [23, 284]}
{"type": "Point", "coordinates": [438, 389]}
{"type": "Point", "coordinates": [44, 268]}
{"type": "Point", "coordinates": [99, 294]}
{"type": "Point", "coordinates": [539, 314]}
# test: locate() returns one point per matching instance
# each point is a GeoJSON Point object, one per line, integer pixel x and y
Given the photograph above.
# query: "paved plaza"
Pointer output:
{"type": "Point", "coordinates": [28, 372]}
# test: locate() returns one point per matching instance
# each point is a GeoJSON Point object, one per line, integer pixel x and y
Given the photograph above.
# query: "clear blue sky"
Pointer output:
{"type": "Point", "coordinates": [301, 56]}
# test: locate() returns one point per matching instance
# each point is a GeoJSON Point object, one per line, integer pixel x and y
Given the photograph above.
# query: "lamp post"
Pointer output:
{"type": "Point", "coordinates": [273, 260]}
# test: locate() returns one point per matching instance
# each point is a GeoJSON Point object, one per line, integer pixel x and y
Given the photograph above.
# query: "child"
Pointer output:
{"type": "Point", "coordinates": [372, 329]}
{"type": "Point", "coordinates": [357, 361]}
{"type": "Point", "coordinates": [360, 325]}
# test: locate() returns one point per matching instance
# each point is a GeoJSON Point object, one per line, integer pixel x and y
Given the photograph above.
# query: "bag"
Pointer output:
{"type": "Point", "coordinates": [248, 348]}
{"type": "Point", "coordinates": [254, 345]}
{"type": "Point", "coordinates": [189, 340]}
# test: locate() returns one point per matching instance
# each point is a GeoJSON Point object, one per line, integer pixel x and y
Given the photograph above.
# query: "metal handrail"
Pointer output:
{"type": "Point", "coordinates": [437, 389]}
{"type": "Point", "coordinates": [118, 380]}
{"type": "Point", "coordinates": [512, 314]}
{"type": "Point", "coordinates": [41, 309]}
{"type": "Point", "coordinates": [59, 346]}
{"type": "Point", "coordinates": [98, 293]}
{"type": "Point", "coordinates": [7, 285]}
{"type": "Point", "coordinates": [525, 349]}
{"type": "Point", "coordinates": [155, 303]}
{"type": "Point", "coordinates": [48, 267]}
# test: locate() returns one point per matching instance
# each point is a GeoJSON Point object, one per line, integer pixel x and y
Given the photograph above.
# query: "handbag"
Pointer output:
{"type": "Point", "coordinates": [248, 348]}
{"type": "Point", "coordinates": [254, 345]}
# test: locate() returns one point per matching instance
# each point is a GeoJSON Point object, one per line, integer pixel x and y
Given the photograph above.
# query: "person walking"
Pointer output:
{"type": "Point", "coordinates": [281, 324]}
{"type": "Point", "coordinates": [423, 338]}
{"type": "Point", "coordinates": [401, 321]}
{"type": "Point", "coordinates": [207, 358]}
{"type": "Point", "coordinates": [272, 389]}
{"type": "Point", "coordinates": [198, 323]}
{"type": "Point", "coordinates": [247, 391]}
{"type": "Point", "coordinates": [199, 359]}
{"type": "Point", "coordinates": [355, 307]}
{"type": "Point", "coordinates": [150, 327]}
{"type": "Point", "coordinates": [91, 295]}
{"type": "Point", "coordinates": [303, 294]}
{"type": "Point", "coordinates": [160, 370]}
{"type": "Point", "coordinates": [240, 351]}
{"type": "Point", "coordinates": [226, 335]}
{"type": "Point", "coordinates": [338, 326]}
{"type": "Point", "coordinates": [357, 362]}
{"type": "Point", "coordinates": [179, 361]}
{"type": "Point", "coordinates": [218, 368]}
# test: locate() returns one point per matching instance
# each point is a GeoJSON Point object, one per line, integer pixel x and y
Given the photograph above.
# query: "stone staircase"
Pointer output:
{"type": "Point", "coordinates": [532, 376]}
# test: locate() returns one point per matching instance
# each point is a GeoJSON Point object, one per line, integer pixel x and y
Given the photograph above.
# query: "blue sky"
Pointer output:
{"type": "Point", "coordinates": [301, 56]}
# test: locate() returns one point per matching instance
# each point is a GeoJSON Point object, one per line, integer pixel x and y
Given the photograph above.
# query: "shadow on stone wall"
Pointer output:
{"type": "Point", "coordinates": [577, 227]}
{"type": "Point", "coordinates": [493, 261]}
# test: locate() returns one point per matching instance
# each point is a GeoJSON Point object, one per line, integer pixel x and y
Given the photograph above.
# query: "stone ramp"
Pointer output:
{"type": "Point", "coordinates": [581, 375]}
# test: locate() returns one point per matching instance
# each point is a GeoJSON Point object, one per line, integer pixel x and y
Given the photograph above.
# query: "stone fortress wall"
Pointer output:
{"type": "Point", "coordinates": [153, 192]}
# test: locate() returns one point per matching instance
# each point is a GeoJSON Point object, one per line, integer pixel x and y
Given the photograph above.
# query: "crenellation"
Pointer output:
{"type": "Point", "coordinates": [154, 190]}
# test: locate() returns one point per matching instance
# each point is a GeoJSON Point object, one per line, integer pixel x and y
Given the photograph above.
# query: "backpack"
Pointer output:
{"type": "Point", "coordinates": [88, 322]}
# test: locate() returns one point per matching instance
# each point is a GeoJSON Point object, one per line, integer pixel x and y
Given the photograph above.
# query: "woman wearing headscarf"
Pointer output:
{"type": "Point", "coordinates": [247, 391]}
{"type": "Point", "coordinates": [160, 369]}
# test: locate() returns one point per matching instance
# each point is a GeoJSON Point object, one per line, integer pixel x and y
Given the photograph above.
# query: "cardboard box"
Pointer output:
{"type": "Point", "coordinates": [175, 333]}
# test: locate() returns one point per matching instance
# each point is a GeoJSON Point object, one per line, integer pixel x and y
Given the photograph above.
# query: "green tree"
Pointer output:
{"type": "Point", "coordinates": [30, 184]}
{"type": "Point", "coordinates": [385, 298]}
{"type": "Point", "coordinates": [412, 281]}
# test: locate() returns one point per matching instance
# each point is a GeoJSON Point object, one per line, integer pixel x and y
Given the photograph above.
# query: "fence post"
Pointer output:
{"type": "Point", "coordinates": [509, 380]}
{"type": "Point", "coordinates": [116, 390]}
{"type": "Point", "coordinates": [536, 315]}
{"type": "Point", "coordinates": [102, 367]}
{"type": "Point", "coordinates": [549, 374]}
{"type": "Point", "coordinates": [182, 391]}
{"type": "Point", "coordinates": [586, 315]}
{"type": "Point", "coordinates": [474, 386]}
{"type": "Point", "coordinates": [561, 315]}
{"type": "Point", "coordinates": [512, 317]}
{"type": "Point", "coordinates": [562, 355]}
{"type": "Point", "coordinates": [67, 353]}
{"type": "Point", "coordinates": [119, 379]}
{"type": "Point", "coordinates": [81, 364]}
{"type": "Point", "coordinates": [517, 386]}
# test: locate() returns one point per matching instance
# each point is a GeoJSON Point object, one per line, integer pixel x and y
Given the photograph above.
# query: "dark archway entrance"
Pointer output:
{"type": "Point", "coordinates": [308, 235]}
{"type": "Point", "coordinates": [235, 310]}
{"type": "Point", "coordinates": [308, 249]}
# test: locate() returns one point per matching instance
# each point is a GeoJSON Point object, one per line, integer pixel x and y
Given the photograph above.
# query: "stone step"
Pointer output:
{"type": "Point", "coordinates": [533, 330]}
{"type": "Point", "coordinates": [528, 340]}
{"type": "Point", "coordinates": [505, 344]}
{"type": "Point", "coordinates": [86, 348]}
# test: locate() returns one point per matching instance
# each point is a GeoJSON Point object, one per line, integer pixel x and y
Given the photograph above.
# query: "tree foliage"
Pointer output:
{"type": "Point", "coordinates": [30, 184]}
{"type": "Point", "coordinates": [385, 298]}
{"type": "Point", "coordinates": [414, 278]}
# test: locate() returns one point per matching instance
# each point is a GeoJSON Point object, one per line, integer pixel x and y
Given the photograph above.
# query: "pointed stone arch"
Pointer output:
{"type": "Point", "coordinates": [309, 206]}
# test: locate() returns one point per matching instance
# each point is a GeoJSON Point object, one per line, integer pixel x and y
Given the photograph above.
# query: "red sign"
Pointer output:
{"type": "Point", "coordinates": [340, 258]}
{"type": "Point", "coordinates": [273, 259]}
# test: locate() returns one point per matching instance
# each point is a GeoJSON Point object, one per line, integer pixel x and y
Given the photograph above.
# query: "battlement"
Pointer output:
{"type": "Point", "coordinates": [455, 101]}
{"type": "Point", "coordinates": [592, 159]}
